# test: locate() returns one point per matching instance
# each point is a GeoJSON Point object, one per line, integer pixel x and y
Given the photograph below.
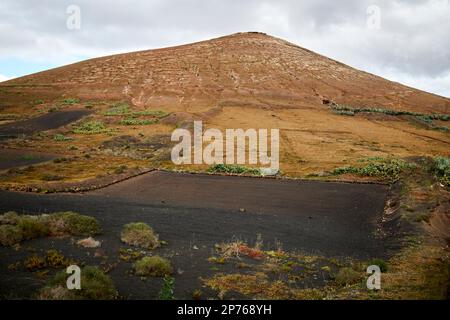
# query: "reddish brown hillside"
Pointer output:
{"type": "Point", "coordinates": [250, 69]}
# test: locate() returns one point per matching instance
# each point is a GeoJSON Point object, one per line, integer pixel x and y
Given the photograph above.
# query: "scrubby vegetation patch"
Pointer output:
{"type": "Point", "coordinates": [441, 169]}
{"type": "Point", "coordinates": [383, 168]}
{"type": "Point", "coordinates": [96, 285]}
{"type": "Point", "coordinates": [154, 266]}
{"type": "Point", "coordinates": [51, 259]}
{"type": "Point", "coordinates": [136, 122]}
{"type": "Point", "coordinates": [61, 137]}
{"type": "Point", "coordinates": [133, 118]}
{"type": "Point", "coordinates": [233, 169]}
{"type": "Point", "coordinates": [167, 290]}
{"type": "Point", "coordinates": [140, 234]}
{"type": "Point", "coordinates": [15, 228]}
{"type": "Point", "coordinates": [421, 117]}
{"type": "Point", "coordinates": [91, 127]}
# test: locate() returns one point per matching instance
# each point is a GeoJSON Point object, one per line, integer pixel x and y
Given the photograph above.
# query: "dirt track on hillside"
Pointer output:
{"type": "Point", "coordinates": [47, 121]}
{"type": "Point", "coordinates": [10, 158]}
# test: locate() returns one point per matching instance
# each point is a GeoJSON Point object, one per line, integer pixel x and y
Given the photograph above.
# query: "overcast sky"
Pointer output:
{"type": "Point", "coordinates": [405, 40]}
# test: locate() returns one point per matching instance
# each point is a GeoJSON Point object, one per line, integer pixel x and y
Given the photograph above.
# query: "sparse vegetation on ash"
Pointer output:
{"type": "Point", "coordinates": [233, 169]}
{"type": "Point", "coordinates": [96, 285]}
{"type": "Point", "coordinates": [140, 234]}
{"type": "Point", "coordinates": [15, 228]}
{"type": "Point", "coordinates": [91, 127]}
{"type": "Point", "coordinates": [377, 167]}
{"type": "Point", "coordinates": [154, 266]}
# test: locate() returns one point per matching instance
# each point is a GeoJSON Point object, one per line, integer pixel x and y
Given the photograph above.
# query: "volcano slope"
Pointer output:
{"type": "Point", "coordinates": [336, 123]}
{"type": "Point", "coordinates": [247, 80]}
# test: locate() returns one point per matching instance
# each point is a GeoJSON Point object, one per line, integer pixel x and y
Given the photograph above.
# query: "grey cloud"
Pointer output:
{"type": "Point", "coordinates": [413, 39]}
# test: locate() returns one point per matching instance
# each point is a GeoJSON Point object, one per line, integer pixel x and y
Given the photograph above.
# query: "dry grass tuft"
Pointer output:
{"type": "Point", "coordinates": [95, 285]}
{"type": "Point", "coordinates": [238, 249]}
{"type": "Point", "coordinates": [155, 266]}
{"type": "Point", "coordinates": [140, 234]}
{"type": "Point", "coordinates": [89, 243]}
{"type": "Point", "coordinates": [16, 228]}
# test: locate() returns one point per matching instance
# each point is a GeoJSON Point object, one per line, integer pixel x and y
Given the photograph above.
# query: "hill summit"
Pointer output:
{"type": "Point", "coordinates": [252, 69]}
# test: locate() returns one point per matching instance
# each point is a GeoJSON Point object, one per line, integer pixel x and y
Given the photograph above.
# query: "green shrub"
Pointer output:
{"type": "Point", "coordinates": [9, 218]}
{"type": "Point", "coordinates": [369, 159]}
{"type": "Point", "coordinates": [127, 254]}
{"type": "Point", "coordinates": [379, 262]}
{"type": "Point", "coordinates": [426, 119]}
{"type": "Point", "coordinates": [32, 227]}
{"type": "Point", "coordinates": [54, 258]}
{"type": "Point", "coordinates": [233, 169]}
{"type": "Point", "coordinates": [136, 122]}
{"type": "Point", "coordinates": [118, 109]}
{"type": "Point", "coordinates": [377, 168]}
{"type": "Point", "coordinates": [347, 276]}
{"type": "Point", "coordinates": [139, 234]}
{"type": "Point", "coordinates": [10, 235]}
{"type": "Point", "coordinates": [27, 157]}
{"type": "Point", "coordinates": [123, 109]}
{"type": "Point", "coordinates": [95, 285]}
{"type": "Point", "coordinates": [347, 110]}
{"type": "Point", "coordinates": [442, 169]}
{"type": "Point", "coordinates": [61, 137]}
{"type": "Point", "coordinates": [386, 169]}
{"type": "Point", "coordinates": [34, 262]}
{"type": "Point", "coordinates": [345, 170]}
{"type": "Point", "coordinates": [15, 228]}
{"type": "Point", "coordinates": [155, 266]}
{"type": "Point", "coordinates": [167, 292]}
{"type": "Point", "coordinates": [77, 224]}
{"type": "Point", "coordinates": [91, 127]}
{"type": "Point", "coordinates": [70, 101]}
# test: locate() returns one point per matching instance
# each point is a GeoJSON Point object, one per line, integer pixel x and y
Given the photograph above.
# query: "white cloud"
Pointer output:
{"type": "Point", "coordinates": [439, 84]}
{"type": "Point", "coordinates": [4, 78]}
{"type": "Point", "coordinates": [412, 44]}
{"type": "Point", "coordinates": [272, 17]}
